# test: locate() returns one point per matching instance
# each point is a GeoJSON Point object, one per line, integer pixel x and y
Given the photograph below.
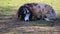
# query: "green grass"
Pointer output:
{"type": "Point", "coordinates": [7, 10]}
{"type": "Point", "coordinates": [40, 22]}
{"type": "Point", "coordinates": [11, 6]}
{"type": "Point", "coordinates": [21, 2]}
{"type": "Point", "coordinates": [7, 4]}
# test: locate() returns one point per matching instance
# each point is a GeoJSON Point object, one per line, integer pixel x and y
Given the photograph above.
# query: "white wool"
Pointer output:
{"type": "Point", "coordinates": [27, 17]}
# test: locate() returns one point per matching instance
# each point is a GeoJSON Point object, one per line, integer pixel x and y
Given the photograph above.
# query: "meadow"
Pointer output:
{"type": "Point", "coordinates": [11, 26]}
{"type": "Point", "coordinates": [8, 6]}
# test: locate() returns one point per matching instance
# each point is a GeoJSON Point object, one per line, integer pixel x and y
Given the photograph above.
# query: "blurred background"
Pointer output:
{"type": "Point", "coordinates": [10, 7]}
{"type": "Point", "coordinates": [9, 25]}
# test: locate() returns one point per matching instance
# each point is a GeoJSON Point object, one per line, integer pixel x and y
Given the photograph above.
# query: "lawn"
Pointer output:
{"type": "Point", "coordinates": [10, 7]}
{"type": "Point", "coordinates": [7, 5]}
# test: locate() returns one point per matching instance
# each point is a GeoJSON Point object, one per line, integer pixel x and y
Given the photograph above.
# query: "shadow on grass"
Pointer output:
{"type": "Point", "coordinates": [8, 22]}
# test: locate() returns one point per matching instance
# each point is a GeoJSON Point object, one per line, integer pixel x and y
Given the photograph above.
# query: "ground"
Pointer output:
{"type": "Point", "coordinates": [10, 25]}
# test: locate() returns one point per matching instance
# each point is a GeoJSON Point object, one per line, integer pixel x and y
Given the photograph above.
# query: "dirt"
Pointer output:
{"type": "Point", "coordinates": [10, 23]}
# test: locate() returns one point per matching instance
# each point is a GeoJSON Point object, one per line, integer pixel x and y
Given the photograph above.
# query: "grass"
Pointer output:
{"type": "Point", "coordinates": [16, 32]}
{"type": "Point", "coordinates": [11, 6]}
{"type": "Point", "coordinates": [7, 10]}
{"type": "Point", "coordinates": [21, 2]}
{"type": "Point", "coordinates": [38, 23]}
{"type": "Point", "coordinates": [8, 4]}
